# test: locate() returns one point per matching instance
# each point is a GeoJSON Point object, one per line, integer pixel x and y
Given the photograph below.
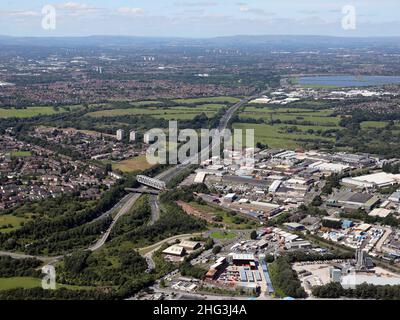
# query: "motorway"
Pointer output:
{"type": "Point", "coordinates": [155, 209]}
{"type": "Point", "coordinates": [128, 201]}
{"type": "Point", "coordinates": [172, 172]}
{"type": "Point", "coordinates": [125, 209]}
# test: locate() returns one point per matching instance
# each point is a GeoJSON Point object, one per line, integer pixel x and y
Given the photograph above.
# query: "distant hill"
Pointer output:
{"type": "Point", "coordinates": [271, 41]}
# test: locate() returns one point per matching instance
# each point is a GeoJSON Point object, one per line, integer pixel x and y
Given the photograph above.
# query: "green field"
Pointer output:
{"type": "Point", "coordinates": [208, 99]}
{"type": "Point", "coordinates": [135, 164]}
{"type": "Point", "coordinates": [30, 112]}
{"type": "Point", "coordinates": [19, 282]}
{"type": "Point", "coordinates": [29, 283]}
{"type": "Point", "coordinates": [291, 126]}
{"type": "Point", "coordinates": [223, 235]}
{"type": "Point", "coordinates": [316, 117]}
{"type": "Point", "coordinates": [373, 124]}
{"type": "Point", "coordinates": [274, 136]}
{"type": "Point", "coordinates": [227, 218]}
{"type": "Point", "coordinates": [145, 103]}
{"type": "Point", "coordinates": [14, 221]}
{"type": "Point", "coordinates": [20, 154]}
{"type": "Point", "coordinates": [172, 113]}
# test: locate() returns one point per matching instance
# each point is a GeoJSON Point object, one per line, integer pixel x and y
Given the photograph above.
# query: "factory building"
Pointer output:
{"type": "Point", "coordinates": [354, 201]}
{"type": "Point", "coordinates": [395, 197]}
{"type": "Point", "coordinates": [329, 167]}
{"type": "Point", "coordinates": [230, 197]}
{"type": "Point", "coordinates": [375, 180]}
{"type": "Point", "coordinates": [352, 280]}
{"type": "Point", "coordinates": [175, 250]}
{"type": "Point", "coordinates": [245, 260]}
{"type": "Point", "coordinates": [190, 245]}
{"type": "Point", "coordinates": [274, 186]}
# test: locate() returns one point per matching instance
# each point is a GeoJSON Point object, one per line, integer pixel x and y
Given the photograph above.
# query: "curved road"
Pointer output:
{"type": "Point", "coordinates": [130, 200]}
{"type": "Point", "coordinates": [125, 209]}
{"type": "Point", "coordinates": [174, 171]}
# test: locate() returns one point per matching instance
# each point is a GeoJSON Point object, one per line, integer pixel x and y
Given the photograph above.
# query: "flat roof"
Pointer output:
{"type": "Point", "coordinates": [379, 178]}
{"type": "Point", "coordinates": [380, 212]}
{"type": "Point", "coordinates": [243, 256]}
{"type": "Point", "coordinates": [174, 250]}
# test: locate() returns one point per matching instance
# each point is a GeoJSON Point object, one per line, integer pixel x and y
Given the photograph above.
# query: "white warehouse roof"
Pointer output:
{"type": "Point", "coordinates": [380, 179]}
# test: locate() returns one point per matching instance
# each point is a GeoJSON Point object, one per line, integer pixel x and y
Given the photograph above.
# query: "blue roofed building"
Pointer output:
{"type": "Point", "coordinates": [347, 224]}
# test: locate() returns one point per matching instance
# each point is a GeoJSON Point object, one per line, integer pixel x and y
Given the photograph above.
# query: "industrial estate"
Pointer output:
{"type": "Point", "coordinates": [309, 211]}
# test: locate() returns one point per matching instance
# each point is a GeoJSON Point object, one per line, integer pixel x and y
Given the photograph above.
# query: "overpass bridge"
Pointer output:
{"type": "Point", "coordinates": [143, 190]}
{"type": "Point", "coordinates": [151, 182]}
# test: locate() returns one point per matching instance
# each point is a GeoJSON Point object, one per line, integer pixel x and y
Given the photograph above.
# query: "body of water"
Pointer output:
{"type": "Point", "coordinates": [349, 81]}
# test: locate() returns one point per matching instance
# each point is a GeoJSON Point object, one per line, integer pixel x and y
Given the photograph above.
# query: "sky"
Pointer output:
{"type": "Point", "coordinates": [201, 18]}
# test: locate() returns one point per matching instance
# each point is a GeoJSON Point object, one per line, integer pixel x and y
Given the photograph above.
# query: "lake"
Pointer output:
{"type": "Point", "coordinates": [348, 81]}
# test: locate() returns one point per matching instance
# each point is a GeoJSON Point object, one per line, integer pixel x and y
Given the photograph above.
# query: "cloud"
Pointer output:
{"type": "Point", "coordinates": [129, 10]}
{"type": "Point", "coordinates": [244, 8]}
{"type": "Point", "coordinates": [25, 14]}
{"type": "Point", "coordinates": [74, 6]}
{"type": "Point", "coordinates": [196, 4]}
{"type": "Point", "coordinates": [76, 9]}
{"type": "Point", "coordinates": [256, 11]}
{"type": "Point", "coordinates": [19, 13]}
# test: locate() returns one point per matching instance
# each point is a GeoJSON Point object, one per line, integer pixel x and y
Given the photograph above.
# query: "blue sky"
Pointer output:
{"type": "Point", "coordinates": [200, 18]}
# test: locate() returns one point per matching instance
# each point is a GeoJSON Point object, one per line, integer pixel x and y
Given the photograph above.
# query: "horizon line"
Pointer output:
{"type": "Point", "coordinates": [201, 38]}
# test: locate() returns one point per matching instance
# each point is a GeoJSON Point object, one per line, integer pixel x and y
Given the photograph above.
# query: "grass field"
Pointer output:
{"type": "Point", "coordinates": [135, 164]}
{"type": "Point", "coordinates": [373, 124]}
{"type": "Point", "coordinates": [29, 283]}
{"type": "Point", "coordinates": [227, 219]}
{"type": "Point", "coordinates": [30, 112]}
{"type": "Point", "coordinates": [295, 127]}
{"type": "Point", "coordinates": [310, 124]}
{"type": "Point", "coordinates": [14, 221]}
{"type": "Point", "coordinates": [20, 154]}
{"type": "Point", "coordinates": [275, 138]}
{"type": "Point", "coordinates": [208, 99]}
{"type": "Point", "coordinates": [146, 103]}
{"type": "Point", "coordinates": [19, 282]}
{"type": "Point", "coordinates": [317, 117]}
{"type": "Point", "coordinates": [177, 113]}
{"type": "Point", "coordinates": [223, 235]}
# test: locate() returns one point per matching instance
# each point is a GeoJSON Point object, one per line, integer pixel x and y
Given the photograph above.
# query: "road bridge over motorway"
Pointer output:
{"type": "Point", "coordinates": [159, 183]}
{"type": "Point", "coordinates": [151, 182]}
{"type": "Point", "coordinates": [143, 191]}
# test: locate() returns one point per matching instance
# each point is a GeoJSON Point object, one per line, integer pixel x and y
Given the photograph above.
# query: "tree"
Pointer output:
{"type": "Point", "coordinates": [108, 168]}
{"type": "Point", "coordinates": [253, 235]}
{"type": "Point", "coordinates": [216, 249]}
{"type": "Point", "coordinates": [162, 283]}
{"type": "Point", "coordinates": [317, 201]}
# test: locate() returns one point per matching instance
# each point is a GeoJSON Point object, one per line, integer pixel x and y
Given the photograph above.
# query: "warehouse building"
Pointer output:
{"type": "Point", "coordinates": [375, 180]}
{"type": "Point", "coordinates": [244, 260]}
{"type": "Point", "coordinates": [354, 200]}
{"type": "Point", "coordinates": [352, 280]}
{"type": "Point", "coordinates": [175, 250]}
{"type": "Point", "coordinates": [329, 167]}
{"type": "Point", "coordinates": [190, 245]}
{"type": "Point", "coordinates": [380, 212]}
{"type": "Point", "coordinates": [395, 197]}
